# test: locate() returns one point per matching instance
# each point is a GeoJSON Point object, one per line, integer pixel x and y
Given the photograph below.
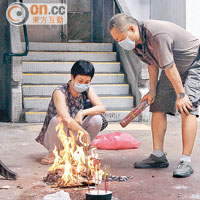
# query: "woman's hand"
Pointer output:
{"type": "Point", "coordinates": [87, 138]}
{"type": "Point", "coordinates": [149, 97]}
{"type": "Point", "coordinates": [79, 117]}
{"type": "Point", "coordinates": [84, 138]}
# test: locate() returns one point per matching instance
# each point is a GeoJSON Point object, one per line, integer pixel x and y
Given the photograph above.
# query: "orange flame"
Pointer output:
{"type": "Point", "coordinates": [74, 159]}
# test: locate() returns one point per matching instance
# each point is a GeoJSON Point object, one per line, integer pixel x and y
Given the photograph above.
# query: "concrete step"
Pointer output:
{"type": "Point", "coordinates": [39, 46]}
{"type": "Point", "coordinates": [70, 56]}
{"type": "Point", "coordinates": [114, 115]}
{"type": "Point", "coordinates": [65, 67]}
{"type": "Point", "coordinates": [63, 78]}
{"type": "Point", "coordinates": [102, 89]}
{"type": "Point", "coordinates": [41, 103]}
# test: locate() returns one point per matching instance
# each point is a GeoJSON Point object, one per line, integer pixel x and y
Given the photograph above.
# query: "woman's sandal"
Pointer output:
{"type": "Point", "coordinates": [48, 160]}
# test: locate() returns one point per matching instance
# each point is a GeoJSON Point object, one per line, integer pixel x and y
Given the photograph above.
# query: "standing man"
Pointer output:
{"type": "Point", "coordinates": [169, 47]}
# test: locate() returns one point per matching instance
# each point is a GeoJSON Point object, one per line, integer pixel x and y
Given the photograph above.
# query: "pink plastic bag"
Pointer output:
{"type": "Point", "coordinates": [115, 141]}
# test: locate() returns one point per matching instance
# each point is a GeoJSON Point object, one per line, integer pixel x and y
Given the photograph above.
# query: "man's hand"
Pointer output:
{"type": "Point", "coordinates": [183, 104]}
{"type": "Point", "coordinates": [149, 97]}
{"type": "Point", "coordinates": [79, 117]}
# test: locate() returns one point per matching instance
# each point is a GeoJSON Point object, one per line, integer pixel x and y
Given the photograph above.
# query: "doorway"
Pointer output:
{"type": "Point", "coordinates": [87, 21]}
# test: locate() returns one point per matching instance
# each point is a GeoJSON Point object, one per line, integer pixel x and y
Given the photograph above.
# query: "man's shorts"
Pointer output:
{"type": "Point", "coordinates": [166, 96]}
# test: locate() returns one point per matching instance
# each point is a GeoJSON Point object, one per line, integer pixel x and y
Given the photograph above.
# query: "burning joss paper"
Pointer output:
{"type": "Point", "coordinates": [73, 166]}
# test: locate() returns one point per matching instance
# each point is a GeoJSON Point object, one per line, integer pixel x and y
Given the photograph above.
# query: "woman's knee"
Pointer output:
{"type": "Point", "coordinates": [54, 121]}
{"type": "Point", "coordinates": [96, 121]}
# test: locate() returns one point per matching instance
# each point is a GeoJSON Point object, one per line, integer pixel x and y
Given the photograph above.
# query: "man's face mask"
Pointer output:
{"type": "Point", "coordinates": [127, 44]}
{"type": "Point", "coordinates": [81, 87]}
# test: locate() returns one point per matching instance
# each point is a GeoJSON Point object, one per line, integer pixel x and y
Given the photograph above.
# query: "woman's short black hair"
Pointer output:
{"type": "Point", "coordinates": [83, 67]}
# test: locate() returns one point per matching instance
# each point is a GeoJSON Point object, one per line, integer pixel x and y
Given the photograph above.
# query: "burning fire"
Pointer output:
{"type": "Point", "coordinates": [74, 162]}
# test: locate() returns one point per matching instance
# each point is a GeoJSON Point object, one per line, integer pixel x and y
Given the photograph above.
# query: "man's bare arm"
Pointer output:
{"type": "Point", "coordinates": [174, 77]}
{"type": "Point", "coordinates": [153, 78]}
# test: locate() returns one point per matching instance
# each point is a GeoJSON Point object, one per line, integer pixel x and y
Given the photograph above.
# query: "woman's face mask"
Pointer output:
{"type": "Point", "coordinates": [81, 87]}
{"type": "Point", "coordinates": [81, 83]}
{"type": "Point", "coordinates": [127, 44]}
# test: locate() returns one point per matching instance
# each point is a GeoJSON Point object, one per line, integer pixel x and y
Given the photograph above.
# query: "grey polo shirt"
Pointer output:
{"type": "Point", "coordinates": [165, 43]}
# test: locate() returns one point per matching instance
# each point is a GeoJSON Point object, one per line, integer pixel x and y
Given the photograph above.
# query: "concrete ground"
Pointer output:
{"type": "Point", "coordinates": [20, 152]}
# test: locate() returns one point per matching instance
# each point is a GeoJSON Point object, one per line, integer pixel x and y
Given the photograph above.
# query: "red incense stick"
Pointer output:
{"type": "Point", "coordinates": [88, 186]}
{"type": "Point", "coordinates": [106, 184]}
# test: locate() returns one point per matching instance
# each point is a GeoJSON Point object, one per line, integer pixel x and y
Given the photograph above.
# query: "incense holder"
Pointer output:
{"type": "Point", "coordinates": [101, 195]}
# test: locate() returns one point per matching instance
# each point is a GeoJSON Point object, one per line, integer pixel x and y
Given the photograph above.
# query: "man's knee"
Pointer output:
{"type": "Point", "coordinates": [159, 114]}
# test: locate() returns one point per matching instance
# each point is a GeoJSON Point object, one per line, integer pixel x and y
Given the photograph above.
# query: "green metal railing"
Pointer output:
{"type": "Point", "coordinates": [25, 53]}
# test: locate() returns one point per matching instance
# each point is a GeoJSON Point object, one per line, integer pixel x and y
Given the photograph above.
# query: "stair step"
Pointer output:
{"type": "Point", "coordinates": [70, 56]}
{"type": "Point", "coordinates": [35, 46]}
{"type": "Point", "coordinates": [103, 89]}
{"type": "Point", "coordinates": [55, 78]}
{"type": "Point", "coordinates": [114, 115]}
{"type": "Point", "coordinates": [65, 67]}
{"type": "Point", "coordinates": [42, 103]}
{"type": "Point", "coordinates": [48, 65]}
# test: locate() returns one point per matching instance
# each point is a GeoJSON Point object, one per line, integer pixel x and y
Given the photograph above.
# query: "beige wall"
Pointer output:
{"type": "Point", "coordinates": [169, 10]}
{"type": "Point", "coordinates": [193, 17]}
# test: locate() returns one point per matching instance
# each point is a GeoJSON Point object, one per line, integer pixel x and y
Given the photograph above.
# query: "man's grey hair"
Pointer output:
{"type": "Point", "coordinates": [121, 21]}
